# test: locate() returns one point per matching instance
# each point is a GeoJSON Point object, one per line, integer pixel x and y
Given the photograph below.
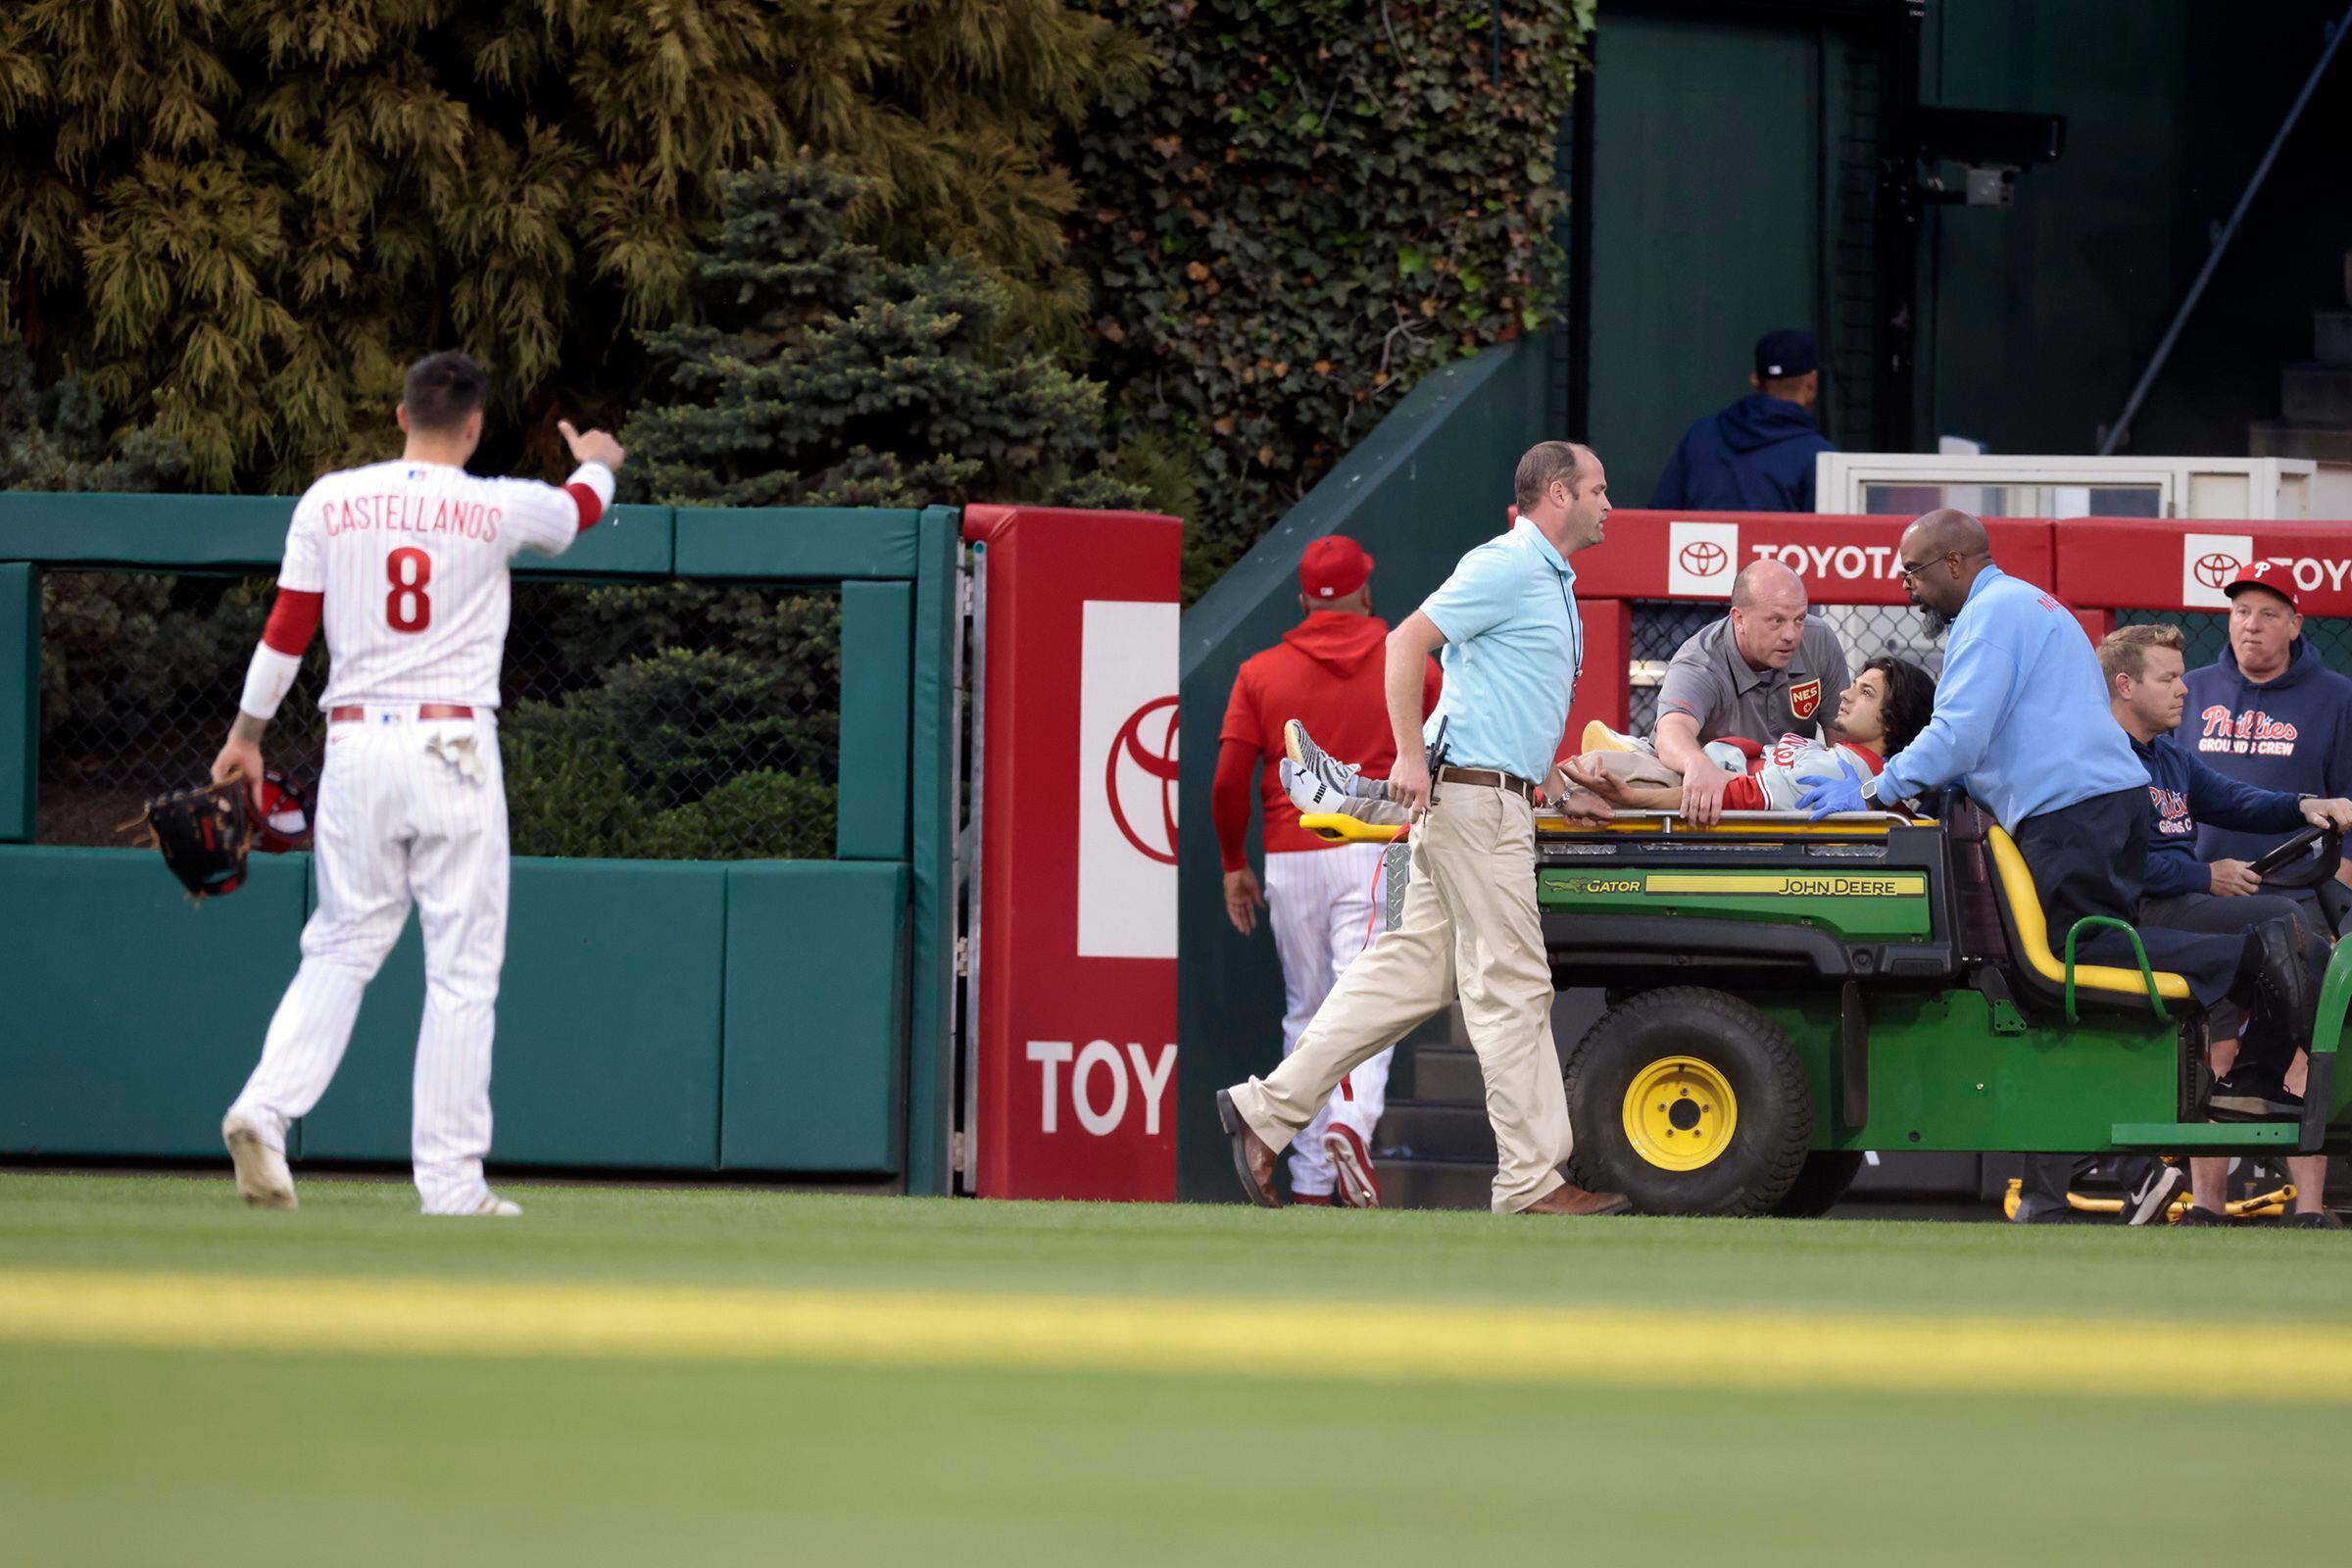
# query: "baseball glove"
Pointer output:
{"type": "Point", "coordinates": [204, 834]}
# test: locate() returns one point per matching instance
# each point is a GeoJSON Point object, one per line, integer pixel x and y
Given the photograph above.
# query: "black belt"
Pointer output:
{"type": "Point", "coordinates": [1489, 778]}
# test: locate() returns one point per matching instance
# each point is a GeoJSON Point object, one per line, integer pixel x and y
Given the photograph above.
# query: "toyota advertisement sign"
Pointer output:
{"type": "Point", "coordinates": [1076, 942]}
{"type": "Point", "coordinates": [1841, 559]}
{"type": "Point", "coordinates": [2136, 564]}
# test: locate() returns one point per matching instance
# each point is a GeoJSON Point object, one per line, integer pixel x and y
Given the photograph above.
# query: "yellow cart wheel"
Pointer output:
{"type": "Point", "coordinates": [1680, 1113]}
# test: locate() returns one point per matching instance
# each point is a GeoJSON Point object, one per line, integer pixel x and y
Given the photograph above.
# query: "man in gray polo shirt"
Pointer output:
{"type": "Point", "coordinates": [1765, 671]}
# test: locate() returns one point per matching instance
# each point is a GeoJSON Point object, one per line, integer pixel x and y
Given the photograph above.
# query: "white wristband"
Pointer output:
{"type": "Point", "coordinates": [597, 477]}
{"type": "Point", "coordinates": [267, 680]}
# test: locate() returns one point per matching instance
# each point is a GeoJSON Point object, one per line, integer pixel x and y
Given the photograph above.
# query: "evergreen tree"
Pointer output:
{"type": "Point", "coordinates": [239, 219]}
{"type": "Point", "coordinates": [822, 374]}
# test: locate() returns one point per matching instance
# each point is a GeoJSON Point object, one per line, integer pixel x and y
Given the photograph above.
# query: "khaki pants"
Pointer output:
{"type": "Point", "coordinates": [1469, 928]}
{"type": "Point", "coordinates": [1635, 767]}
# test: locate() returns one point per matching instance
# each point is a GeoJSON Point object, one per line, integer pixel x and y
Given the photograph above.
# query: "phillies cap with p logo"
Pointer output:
{"type": "Point", "coordinates": [2275, 575]}
{"type": "Point", "coordinates": [1333, 567]}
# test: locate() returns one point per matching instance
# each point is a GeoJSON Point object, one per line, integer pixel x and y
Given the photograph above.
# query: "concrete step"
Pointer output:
{"type": "Point", "coordinates": [1447, 1075]}
{"type": "Point", "coordinates": [2283, 438]}
{"type": "Point", "coordinates": [2312, 393]}
{"type": "Point", "coordinates": [1436, 1183]}
{"type": "Point", "coordinates": [1413, 1130]}
{"type": "Point", "coordinates": [2332, 335]}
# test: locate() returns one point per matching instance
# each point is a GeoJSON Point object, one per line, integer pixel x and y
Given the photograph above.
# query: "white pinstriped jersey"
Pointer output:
{"type": "Point", "coordinates": [411, 559]}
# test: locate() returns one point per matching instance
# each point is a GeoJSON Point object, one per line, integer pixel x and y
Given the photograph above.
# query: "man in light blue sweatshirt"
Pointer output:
{"type": "Point", "coordinates": [2021, 723]}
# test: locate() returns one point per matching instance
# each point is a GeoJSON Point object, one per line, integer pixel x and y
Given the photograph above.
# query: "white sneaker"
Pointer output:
{"type": "Point", "coordinates": [1311, 795]}
{"type": "Point", "coordinates": [491, 1206]}
{"type": "Point", "coordinates": [262, 1179]}
{"type": "Point", "coordinates": [1340, 779]}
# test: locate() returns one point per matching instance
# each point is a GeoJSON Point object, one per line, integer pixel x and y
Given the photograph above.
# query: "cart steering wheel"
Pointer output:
{"type": "Point", "coordinates": [2305, 860]}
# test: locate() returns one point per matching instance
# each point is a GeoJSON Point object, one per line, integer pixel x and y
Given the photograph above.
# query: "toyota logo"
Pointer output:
{"type": "Point", "coordinates": [1146, 745]}
{"type": "Point", "coordinates": [1704, 558]}
{"type": "Point", "coordinates": [2215, 569]}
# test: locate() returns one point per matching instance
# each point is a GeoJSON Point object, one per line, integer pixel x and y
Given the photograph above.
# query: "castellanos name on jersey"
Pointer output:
{"type": "Point", "coordinates": [411, 560]}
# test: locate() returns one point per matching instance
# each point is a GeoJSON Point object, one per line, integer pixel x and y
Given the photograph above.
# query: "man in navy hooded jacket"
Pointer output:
{"type": "Point", "coordinates": [1757, 455]}
{"type": "Point", "coordinates": [2267, 713]}
{"type": "Point", "coordinates": [2146, 693]}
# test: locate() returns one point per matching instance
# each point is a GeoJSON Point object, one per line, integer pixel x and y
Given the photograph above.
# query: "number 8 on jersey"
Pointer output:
{"type": "Point", "coordinates": [407, 607]}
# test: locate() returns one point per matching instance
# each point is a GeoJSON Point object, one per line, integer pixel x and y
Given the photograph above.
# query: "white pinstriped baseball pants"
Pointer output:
{"type": "Point", "coordinates": [398, 823]}
{"type": "Point", "coordinates": [1320, 903]}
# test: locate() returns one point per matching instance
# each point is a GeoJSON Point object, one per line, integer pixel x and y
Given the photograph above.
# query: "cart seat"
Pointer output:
{"type": "Point", "coordinates": [2030, 937]}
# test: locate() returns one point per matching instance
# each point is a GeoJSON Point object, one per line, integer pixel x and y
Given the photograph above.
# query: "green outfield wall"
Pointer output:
{"type": "Point", "coordinates": [785, 1016]}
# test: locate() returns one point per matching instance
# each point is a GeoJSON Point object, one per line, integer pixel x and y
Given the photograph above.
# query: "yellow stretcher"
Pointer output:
{"type": "Point", "coordinates": [2259, 1206]}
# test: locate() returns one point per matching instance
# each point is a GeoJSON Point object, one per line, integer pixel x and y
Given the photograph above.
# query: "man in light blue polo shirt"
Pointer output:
{"type": "Point", "coordinates": [1512, 641]}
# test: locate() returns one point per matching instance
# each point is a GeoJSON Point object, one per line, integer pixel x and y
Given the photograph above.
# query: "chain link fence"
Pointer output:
{"type": "Point", "coordinates": [652, 721]}
{"type": "Point", "coordinates": [1660, 628]}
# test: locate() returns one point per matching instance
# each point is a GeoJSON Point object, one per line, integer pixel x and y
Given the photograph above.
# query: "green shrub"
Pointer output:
{"type": "Point", "coordinates": [774, 817]}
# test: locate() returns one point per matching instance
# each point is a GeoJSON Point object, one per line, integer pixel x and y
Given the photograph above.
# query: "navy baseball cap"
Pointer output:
{"type": "Point", "coordinates": [1790, 351]}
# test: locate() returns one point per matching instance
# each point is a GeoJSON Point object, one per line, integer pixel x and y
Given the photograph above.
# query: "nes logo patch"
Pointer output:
{"type": "Point", "coordinates": [1701, 559]}
{"type": "Point", "coordinates": [1804, 697]}
{"type": "Point", "coordinates": [2209, 563]}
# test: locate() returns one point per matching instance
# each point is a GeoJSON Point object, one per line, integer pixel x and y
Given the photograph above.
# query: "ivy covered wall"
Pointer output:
{"type": "Point", "coordinates": [1304, 207]}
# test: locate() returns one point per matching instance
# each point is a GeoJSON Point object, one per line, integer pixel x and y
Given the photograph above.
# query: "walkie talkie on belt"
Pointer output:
{"type": "Point", "coordinates": [1436, 756]}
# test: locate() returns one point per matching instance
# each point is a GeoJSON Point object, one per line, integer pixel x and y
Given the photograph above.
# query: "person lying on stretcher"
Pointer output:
{"type": "Point", "coordinates": [1879, 714]}
{"type": "Point", "coordinates": [1889, 704]}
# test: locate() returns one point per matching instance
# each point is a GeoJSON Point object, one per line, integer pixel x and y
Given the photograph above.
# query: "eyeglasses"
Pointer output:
{"type": "Point", "coordinates": [1910, 572]}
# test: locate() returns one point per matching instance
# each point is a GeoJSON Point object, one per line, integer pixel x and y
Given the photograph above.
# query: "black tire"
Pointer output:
{"type": "Point", "coordinates": [1826, 1174]}
{"type": "Point", "coordinates": [1772, 1104]}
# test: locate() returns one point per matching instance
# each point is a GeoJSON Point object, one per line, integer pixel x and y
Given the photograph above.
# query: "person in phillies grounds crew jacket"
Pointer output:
{"type": "Point", "coordinates": [2267, 713]}
{"type": "Point", "coordinates": [1757, 455]}
{"type": "Point", "coordinates": [2142, 667]}
{"type": "Point", "coordinates": [1319, 896]}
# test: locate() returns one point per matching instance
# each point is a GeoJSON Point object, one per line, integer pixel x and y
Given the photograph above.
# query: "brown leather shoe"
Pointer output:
{"type": "Point", "coordinates": [1572, 1199]}
{"type": "Point", "coordinates": [1253, 1160]}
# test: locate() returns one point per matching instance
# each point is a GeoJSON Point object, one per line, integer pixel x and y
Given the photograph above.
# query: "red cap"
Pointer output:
{"type": "Point", "coordinates": [2277, 575]}
{"type": "Point", "coordinates": [1333, 567]}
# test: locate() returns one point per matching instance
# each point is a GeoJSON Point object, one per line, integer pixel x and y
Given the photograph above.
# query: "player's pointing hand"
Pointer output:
{"type": "Point", "coordinates": [591, 446]}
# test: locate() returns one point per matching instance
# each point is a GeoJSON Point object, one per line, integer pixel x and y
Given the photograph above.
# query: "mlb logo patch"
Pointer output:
{"type": "Point", "coordinates": [1804, 697]}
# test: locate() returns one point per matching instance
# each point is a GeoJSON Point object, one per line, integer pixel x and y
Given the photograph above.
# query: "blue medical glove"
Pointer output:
{"type": "Point", "coordinates": [1835, 794]}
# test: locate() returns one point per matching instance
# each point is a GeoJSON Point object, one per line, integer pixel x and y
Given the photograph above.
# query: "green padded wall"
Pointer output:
{"type": "Point", "coordinates": [626, 542]}
{"type": "Point", "coordinates": [133, 1016]}
{"type": "Point", "coordinates": [197, 531]}
{"type": "Point", "coordinates": [814, 1055]}
{"type": "Point", "coordinates": [608, 1025]}
{"type": "Point", "coordinates": [20, 708]}
{"type": "Point", "coordinates": [806, 542]}
{"type": "Point", "coordinates": [877, 640]}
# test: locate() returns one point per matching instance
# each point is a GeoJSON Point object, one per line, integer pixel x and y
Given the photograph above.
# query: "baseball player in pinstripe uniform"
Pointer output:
{"type": "Point", "coordinates": [408, 563]}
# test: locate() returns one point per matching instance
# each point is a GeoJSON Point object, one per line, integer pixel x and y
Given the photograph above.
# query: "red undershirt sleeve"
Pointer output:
{"type": "Point", "coordinates": [293, 620]}
{"type": "Point", "coordinates": [1744, 794]}
{"type": "Point", "coordinates": [1229, 801]}
{"type": "Point", "coordinates": [591, 504]}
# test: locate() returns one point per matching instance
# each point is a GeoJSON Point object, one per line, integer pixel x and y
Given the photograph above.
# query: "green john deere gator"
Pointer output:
{"type": "Point", "coordinates": [1783, 995]}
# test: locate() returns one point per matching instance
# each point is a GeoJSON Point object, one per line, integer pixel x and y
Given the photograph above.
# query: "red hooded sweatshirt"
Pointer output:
{"type": "Point", "coordinates": [1326, 673]}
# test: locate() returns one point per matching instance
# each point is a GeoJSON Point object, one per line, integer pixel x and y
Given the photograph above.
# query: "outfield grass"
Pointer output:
{"type": "Point", "coordinates": [114, 1451]}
